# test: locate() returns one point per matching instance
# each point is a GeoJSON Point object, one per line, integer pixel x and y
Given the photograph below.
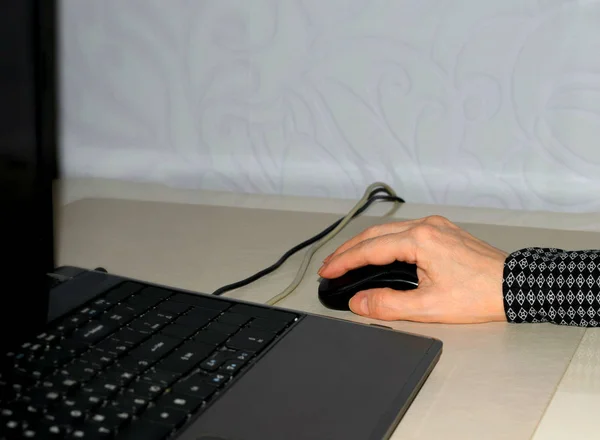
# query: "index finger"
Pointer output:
{"type": "Point", "coordinates": [374, 232]}
{"type": "Point", "coordinates": [380, 250]}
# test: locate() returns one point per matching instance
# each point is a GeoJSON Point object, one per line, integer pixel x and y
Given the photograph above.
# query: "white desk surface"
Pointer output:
{"type": "Point", "coordinates": [494, 381]}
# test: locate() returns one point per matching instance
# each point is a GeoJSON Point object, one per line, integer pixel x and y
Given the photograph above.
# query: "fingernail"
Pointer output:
{"type": "Point", "coordinates": [361, 305]}
{"type": "Point", "coordinates": [327, 258]}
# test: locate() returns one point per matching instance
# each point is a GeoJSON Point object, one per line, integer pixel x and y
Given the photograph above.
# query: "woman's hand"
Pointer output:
{"type": "Point", "coordinates": [460, 276]}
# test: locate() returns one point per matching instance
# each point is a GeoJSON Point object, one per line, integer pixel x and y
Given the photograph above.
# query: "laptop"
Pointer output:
{"type": "Point", "coordinates": [90, 355]}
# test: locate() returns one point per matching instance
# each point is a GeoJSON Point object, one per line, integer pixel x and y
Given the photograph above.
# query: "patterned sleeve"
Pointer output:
{"type": "Point", "coordinates": [552, 285]}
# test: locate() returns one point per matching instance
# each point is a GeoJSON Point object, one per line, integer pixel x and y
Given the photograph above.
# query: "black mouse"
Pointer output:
{"type": "Point", "coordinates": [335, 293]}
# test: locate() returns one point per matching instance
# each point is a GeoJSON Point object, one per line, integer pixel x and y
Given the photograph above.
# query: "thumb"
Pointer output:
{"type": "Point", "coordinates": [389, 305]}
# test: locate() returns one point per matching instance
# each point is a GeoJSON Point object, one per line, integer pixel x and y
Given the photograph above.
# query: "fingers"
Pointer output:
{"type": "Point", "coordinates": [373, 232]}
{"type": "Point", "coordinates": [377, 251]}
{"type": "Point", "coordinates": [392, 228]}
{"type": "Point", "coordinates": [392, 305]}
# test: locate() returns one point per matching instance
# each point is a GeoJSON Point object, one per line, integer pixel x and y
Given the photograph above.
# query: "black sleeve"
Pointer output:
{"type": "Point", "coordinates": [552, 285]}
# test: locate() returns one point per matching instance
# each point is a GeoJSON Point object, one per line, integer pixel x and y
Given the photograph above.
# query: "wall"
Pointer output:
{"type": "Point", "coordinates": [487, 103]}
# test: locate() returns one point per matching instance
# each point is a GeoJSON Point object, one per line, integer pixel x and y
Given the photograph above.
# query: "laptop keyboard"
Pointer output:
{"type": "Point", "coordinates": [136, 362]}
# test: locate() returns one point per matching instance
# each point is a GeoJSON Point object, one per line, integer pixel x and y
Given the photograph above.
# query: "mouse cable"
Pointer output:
{"type": "Point", "coordinates": [373, 197]}
{"type": "Point", "coordinates": [310, 252]}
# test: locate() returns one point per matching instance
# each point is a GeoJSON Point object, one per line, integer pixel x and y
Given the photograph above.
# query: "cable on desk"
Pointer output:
{"type": "Point", "coordinates": [372, 197]}
{"type": "Point", "coordinates": [341, 225]}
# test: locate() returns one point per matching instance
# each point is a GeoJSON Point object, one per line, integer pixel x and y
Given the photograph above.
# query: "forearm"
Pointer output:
{"type": "Point", "coordinates": [552, 285]}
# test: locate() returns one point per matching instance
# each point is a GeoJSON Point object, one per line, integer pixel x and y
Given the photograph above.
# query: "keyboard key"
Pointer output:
{"type": "Point", "coordinates": [216, 360]}
{"type": "Point", "coordinates": [158, 317]}
{"type": "Point", "coordinates": [155, 347]}
{"type": "Point", "coordinates": [195, 386]}
{"type": "Point", "coordinates": [250, 340]}
{"type": "Point", "coordinates": [122, 291]}
{"type": "Point", "coordinates": [233, 319]}
{"type": "Point", "coordinates": [218, 378]}
{"type": "Point", "coordinates": [201, 301]}
{"type": "Point", "coordinates": [125, 309]}
{"type": "Point", "coordinates": [110, 418]}
{"type": "Point", "coordinates": [113, 347]}
{"type": "Point", "coordinates": [232, 366]}
{"type": "Point", "coordinates": [194, 320]}
{"type": "Point", "coordinates": [179, 401]}
{"type": "Point", "coordinates": [97, 359]}
{"type": "Point", "coordinates": [260, 312]}
{"type": "Point", "coordinates": [129, 336]}
{"type": "Point", "coordinates": [155, 292]}
{"type": "Point", "coordinates": [145, 390]}
{"type": "Point", "coordinates": [178, 331]}
{"type": "Point", "coordinates": [128, 403]}
{"type": "Point", "coordinates": [160, 377]}
{"type": "Point", "coordinates": [186, 357]}
{"type": "Point", "coordinates": [146, 326]}
{"type": "Point", "coordinates": [227, 329]}
{"type": "Point", "coordinates": [95, 331]}
{"type": "Point", "coordinates": [141, 304]}
{"type": "Point", "coordinates": [210, 337]}
{"type": "Point", "coordinates": [129, 363]}
{"type": "Point", "coordinates": [269, 325]}
{"type": "Point", "coordinates": [170, 417]}
{"type": "Point", "coordinates": [79, 371]}
{"type": "Point", "coordinates": [177, 308]}
{"type": "Point", "coordinates": [91, 432]}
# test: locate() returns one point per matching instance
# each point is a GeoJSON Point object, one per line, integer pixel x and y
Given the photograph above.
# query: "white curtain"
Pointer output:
{"type": "Point", "coordinates": [472, 102]}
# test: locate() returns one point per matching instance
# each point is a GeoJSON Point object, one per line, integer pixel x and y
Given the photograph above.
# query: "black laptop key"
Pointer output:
{"type": "Point", "coordinates": [97, 359]}
{"type": "Point", "coordinates": [250, 339]}
{"type": "Point", "coordinates": [129, 337]}
{"type": "Point", "coordinates": [201, 301]}
{"type": "Point", "coordinates": [79, 371]}
{"type": "Point", "coordinates": [155, 347]}
{"type": "Point", "coordinates": [216, 360]}
{"type": "Point", "coordinates": [158, 317]}
{"type": "Point", "coordinates": [172, 418]}
{"type": "Point", "coordinates": [94, 331]}
{"type": "Point", "coordinates": [211, 337]}
{"type": "Point", "coordinates": [101, 304]}
{"type": "Point", "coordinates": [218, 379]}
{"type": "Point", "coordinates": [133, 365]}
{"type": "Point", "coordinates": [91, 432]}
{"type": "Point", "coordinates": [178, 331]}
{"type": "Point", "coordinates": [147, 326]}
{"type": "Point", "coordinates": [118, 316]}
{"type": "Point", "coordinates": [160, 377]}
{"type": "Point", "coordinates": [232, 366]}
{"type": "Point", "coordinates": [195, 320]}
{"type": "Point", "coordinates": [269, 325]}
{"type": "Point", "coordinates": [113, 347]}
{"type": "Point", "coordinates": [122, 292]}
{"type": "Point", "coordinates": [233, 319]}
{"type": "Point", "coordinates": [195, 386]}
{"type": "Point", "coordinates": [179, 401]}
{"type": "Point", "coordinates": [186, 357]}
{"type": "Point", "coordinates": [101, 386]}
{"type": "Point", "coordinates": [146, 430]}
{"type": "Point", "coordinates": [142, 304]}
{"type": "Point", "coordinates": [129, 403]}
{"type": "Point", "coordinates": [145, 390]}
{"type": "Point", "coordinates": [110, 418]}
{"type": "Point", "coordinates": [176, 308]}
{"type": "Point", "coordinates": [260, 312]}
{"type": "Point", "coordinates": [220, 327]}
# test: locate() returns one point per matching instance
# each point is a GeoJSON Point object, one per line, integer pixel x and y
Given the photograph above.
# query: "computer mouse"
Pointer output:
{"type": "Point", "coordinates": [335, 293]}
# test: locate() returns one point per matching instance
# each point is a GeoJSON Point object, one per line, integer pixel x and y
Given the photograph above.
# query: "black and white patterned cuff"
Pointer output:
{"type": "Point", "coordinates": [552, 285]}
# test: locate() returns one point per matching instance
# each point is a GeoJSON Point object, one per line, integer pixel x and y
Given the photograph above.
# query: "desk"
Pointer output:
{"type": "Point", "coordinates": [494, 381]}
